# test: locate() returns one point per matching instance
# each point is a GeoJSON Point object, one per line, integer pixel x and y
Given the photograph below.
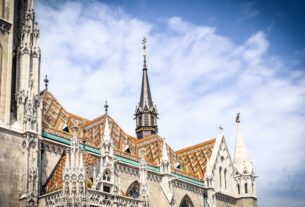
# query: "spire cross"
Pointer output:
{"type": "Point", "coordinates": [46, 81]}
{"type": "Point", "coordinates": [220, 128]}
{"type": "Point", "coordinates": [106, 106]}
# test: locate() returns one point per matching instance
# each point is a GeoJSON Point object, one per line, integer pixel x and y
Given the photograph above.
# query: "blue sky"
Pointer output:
{"type": "Point", "coordinates": [207, 61]}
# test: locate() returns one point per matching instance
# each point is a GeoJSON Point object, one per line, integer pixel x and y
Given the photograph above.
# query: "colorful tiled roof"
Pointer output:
{"type": "Point", "coordinates": [57, 122]}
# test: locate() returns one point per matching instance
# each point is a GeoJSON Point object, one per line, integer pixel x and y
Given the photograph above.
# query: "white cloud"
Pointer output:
{"type": "Point", "coordinates": [199, 79]}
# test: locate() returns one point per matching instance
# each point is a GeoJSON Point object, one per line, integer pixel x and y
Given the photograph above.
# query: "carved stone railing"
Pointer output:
{"type": "Point", "coordinates": [106, 199]}
{"type": "Point", "coordinates": [95, 198]}
{"type": "Point", "coordinates": [53, 199]}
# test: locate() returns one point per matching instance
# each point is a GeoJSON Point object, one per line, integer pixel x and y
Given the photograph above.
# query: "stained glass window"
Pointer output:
{"type": "Point", "coordinates": [134, 190]}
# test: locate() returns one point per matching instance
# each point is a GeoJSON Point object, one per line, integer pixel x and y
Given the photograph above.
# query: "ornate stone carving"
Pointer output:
{"type": "Point", "coordinates": [5, 26]}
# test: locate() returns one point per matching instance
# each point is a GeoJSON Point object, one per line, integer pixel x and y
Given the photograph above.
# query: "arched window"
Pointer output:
{"type": "Point", "coordinates": [186, 202]}
{"type": "Point", "coordinates": [106, 175]}
{"type": "Point", "coordinates": [225, 178]}
{"type": "Point", "coordinates": [246, 188]}
{"type": "Point", "coordinates": [238, 188]}
{"type": "Point", "coordinates": [133, 190]}
{"type": "Point", "coordinates": [220, 169]}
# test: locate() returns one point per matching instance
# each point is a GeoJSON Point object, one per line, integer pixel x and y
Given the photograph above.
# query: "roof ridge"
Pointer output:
{"type": "Point", "coordinates": [209, 141]}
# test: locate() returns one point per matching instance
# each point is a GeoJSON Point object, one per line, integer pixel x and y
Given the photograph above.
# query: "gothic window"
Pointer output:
{"type": "Point", "coordinates": [246, 188]}
{"type": "Point", "coordinates": [146, 120]}
{"type": "Point", "coordinates": [106, 176]}
{"type": "Point", "coordinates": [220, 169]}
{"type": "Point", "coordinates": [238, 188]}
{"type": "Point", "coordinates": [186, 202]}
{"type": "Point", "coordinates": [134, 190]}
{"type": "Point", "coordinates": [225, 178]}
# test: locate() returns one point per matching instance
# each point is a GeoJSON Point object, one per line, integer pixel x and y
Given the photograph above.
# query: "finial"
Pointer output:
{"type": "Point", "coordinates": [237, 118]}
{"type": "Point", "coordinates": [220, 129]}
{"type": "Point", "coordinates": [46, 81]}
{"type": "Point", "coordinates": [106, 108]}
{"type": "Point", "coordinates": [144, 41]}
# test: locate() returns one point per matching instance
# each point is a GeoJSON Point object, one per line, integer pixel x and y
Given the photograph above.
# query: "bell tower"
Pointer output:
{"type": "Point", "coordinates": [146, 114]}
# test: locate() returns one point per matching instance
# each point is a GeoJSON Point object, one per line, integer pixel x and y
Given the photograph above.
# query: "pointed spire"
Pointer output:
{"type": "Point", "coordinates": [107, 135]}
{"type": "Point", "coordinates": [242, 161]}
{"type": "Point", "coordinates": [145, 99]}
{"type": "Point", "coordinates": [164, 152]}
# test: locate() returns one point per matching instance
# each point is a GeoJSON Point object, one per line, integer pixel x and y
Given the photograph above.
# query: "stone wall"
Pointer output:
{"type": "Point", "coordinates": [245, 202]}
{"type": "Point", "coordinates": [12, 168]}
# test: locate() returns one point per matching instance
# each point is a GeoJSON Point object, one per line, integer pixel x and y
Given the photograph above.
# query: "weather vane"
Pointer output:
{"type": "Point", "coordinates": [144, 41]}
{"type": "Point", "coordinates": [46, 81]}
{"type": "Point", "coordinates": [238, 118]}
{"type": "Point", "coordinates": [220, 128]}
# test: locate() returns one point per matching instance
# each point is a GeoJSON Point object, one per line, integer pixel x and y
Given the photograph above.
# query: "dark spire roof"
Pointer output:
{"type": "Point", "coordinates": [145, 98]}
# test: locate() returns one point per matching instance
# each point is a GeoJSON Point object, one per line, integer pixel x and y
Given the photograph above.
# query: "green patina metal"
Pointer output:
{"type": "Point", "coordinates": [122, 159]}
{"type": "Point", "coordinates": [190, 180]}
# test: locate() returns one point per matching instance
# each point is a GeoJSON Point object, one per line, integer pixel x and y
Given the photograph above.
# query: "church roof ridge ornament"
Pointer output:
{"type": "Point", "coordinates": [106, 106]}
{"type": "Point", "coordinates": [46, 82]}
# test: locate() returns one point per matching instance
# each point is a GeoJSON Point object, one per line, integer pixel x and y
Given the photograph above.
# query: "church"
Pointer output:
{"type": "Point", "coordinates": [51, 157]}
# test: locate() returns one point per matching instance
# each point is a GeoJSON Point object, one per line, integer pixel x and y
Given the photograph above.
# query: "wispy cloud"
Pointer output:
{"type": "Point", "coordinates": [199, 79]}
{"type": "Point", "coordinates": [247, 11]}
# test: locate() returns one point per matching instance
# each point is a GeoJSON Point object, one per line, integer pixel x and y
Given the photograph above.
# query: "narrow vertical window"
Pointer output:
{"type": "Point", "coordinates": [238, 188]}
{"type": "Point", "coordinates": [225, 178]}
{"type": "Point", "coordinates": [152, 120]}
{"type": "Point", "coordinates": [146, 120]}
{"type": "Point", "coordinates": [220, 176]}
{"type": "Point", "coordinates": [246, 188]}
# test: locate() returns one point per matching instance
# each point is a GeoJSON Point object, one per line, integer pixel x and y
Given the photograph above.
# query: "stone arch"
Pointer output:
{"type": "Point", "coordinates": [133, 190]}
{"type": "Point", "coordinates": [186, 202]}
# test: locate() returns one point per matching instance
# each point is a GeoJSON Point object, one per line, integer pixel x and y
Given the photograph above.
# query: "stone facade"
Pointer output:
{"type": "Point", "coordinates": [53, 158]}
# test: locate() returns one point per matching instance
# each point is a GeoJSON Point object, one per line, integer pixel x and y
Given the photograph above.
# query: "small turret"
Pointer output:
{"type": "Point", "coordinates": [243, 168]}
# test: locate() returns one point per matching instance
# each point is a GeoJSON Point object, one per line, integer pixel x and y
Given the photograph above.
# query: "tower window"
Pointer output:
{"type": "Point", "coordinates": [146, 120]}
{"type": "Point", "coordinates": [140, 121]}
{"type": "Point", "coordinates": [152, 120]}
{"type": "Point", "coordinates": [238, 188]}
{"type": "Point", "coordinates": [246, 188]}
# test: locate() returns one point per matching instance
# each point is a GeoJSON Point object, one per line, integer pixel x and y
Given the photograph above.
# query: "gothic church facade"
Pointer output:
{"type": "Point", "coordinates": [52, 157]}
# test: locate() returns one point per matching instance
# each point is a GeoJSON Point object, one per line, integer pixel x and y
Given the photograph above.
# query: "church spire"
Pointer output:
{"type": "Point", "coordinates": [242, 161]}
{"type": "Point", "coordinates": [146, 113]}
{"type": "Point", "coordinates": [243, 169]}
{"type": "Point", "coordinates": [145, 98]}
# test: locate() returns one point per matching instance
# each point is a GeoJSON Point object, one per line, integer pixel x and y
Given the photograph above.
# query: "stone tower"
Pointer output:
{"type": "Point", "coordinates": [20, 112]}
{"type": "Point", "coordinates": [146, 114]}
{"type": "Point", "coordinates": [19, 65]}
{"type": "Point", "coordinates": [243, 172]}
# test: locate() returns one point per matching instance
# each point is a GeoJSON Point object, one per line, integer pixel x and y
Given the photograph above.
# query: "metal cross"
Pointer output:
{"type": "Point", "coordinates": [106, 108]}
{"type": "Point", "coordinates": [220, 128]}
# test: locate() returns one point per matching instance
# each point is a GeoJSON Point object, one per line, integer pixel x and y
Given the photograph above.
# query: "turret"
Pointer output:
{"type": "Point", "coordinates": [146, 114]}
{"type": "Point", "coordinates": [244, 175]}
